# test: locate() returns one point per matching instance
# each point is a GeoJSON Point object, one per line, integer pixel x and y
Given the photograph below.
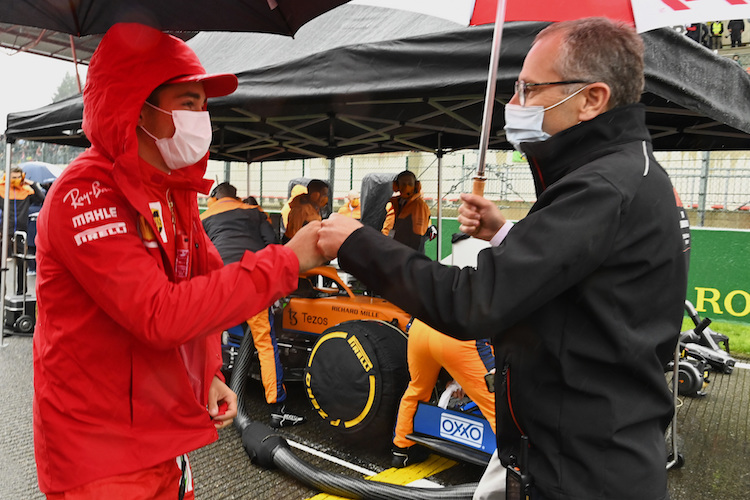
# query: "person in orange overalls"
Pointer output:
{"type": "Point", "coordinates": [428, 350]}
{"type": "Point", "coordinates": [407, 214]}
{"type": "Point", "coordinates": [297, 190]}
{"type": "Point", "coordinates": [306, 208]}
{"type": "Point", "coordinates": [351, 208]}
{"type": "Point", "coordinates": [234, 227]}
{"type": "Point", "coordinates": [22, 194]}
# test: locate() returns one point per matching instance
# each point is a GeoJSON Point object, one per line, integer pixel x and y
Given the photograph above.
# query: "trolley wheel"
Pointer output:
{"type": "Point", "coordinates": [355, 377]}
{"type": "Point", "coordinates": [690, 379]}
{"type": "Point", "coordinates": [24, 324]}
{"type": "Point", "coordinates": [678, 463]}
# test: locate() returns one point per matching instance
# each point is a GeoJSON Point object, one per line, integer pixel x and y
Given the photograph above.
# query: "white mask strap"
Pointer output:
{"type": "Point", "coordinates": [165, 111]}
{"type": "Point", "coordinates": [571, 96]}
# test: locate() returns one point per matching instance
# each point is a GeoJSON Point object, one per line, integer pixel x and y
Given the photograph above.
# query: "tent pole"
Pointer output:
{"type": "Point", "coordinates": [489, 98]}
{"type": "Point", "coordinates": [439, 154]}
{"type": "Point", "coordinates": [75, 63]}
{"type": "Point", "coordinates": [4, 255]}
{"type": "Point", "coordinates": [247, 181]}
{"type": "Point", "coordinates": [331, 180]}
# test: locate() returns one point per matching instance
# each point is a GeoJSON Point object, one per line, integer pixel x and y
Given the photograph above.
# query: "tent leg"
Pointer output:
{"type": "Point", "coordinates": [439, 154]}
{"type": "Point", "coordinates": [331, 181]}
{"type": "Point", "coordinates": [4, 255]}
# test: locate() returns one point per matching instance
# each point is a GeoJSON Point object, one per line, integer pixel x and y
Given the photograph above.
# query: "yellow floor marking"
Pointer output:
{"type": "Point", "coordinates": [405, 475]}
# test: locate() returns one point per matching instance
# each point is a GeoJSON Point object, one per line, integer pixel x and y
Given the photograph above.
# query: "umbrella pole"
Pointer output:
{"type": "Point", "coordinates": [489, 99]}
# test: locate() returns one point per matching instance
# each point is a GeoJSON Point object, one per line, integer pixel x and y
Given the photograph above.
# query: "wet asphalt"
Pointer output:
{"type": "Point", "coordinates": [713, 438]}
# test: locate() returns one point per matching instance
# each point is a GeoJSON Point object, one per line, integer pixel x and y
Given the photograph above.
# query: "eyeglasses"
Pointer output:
{"type": "Point", "coordinates": [521, 88]}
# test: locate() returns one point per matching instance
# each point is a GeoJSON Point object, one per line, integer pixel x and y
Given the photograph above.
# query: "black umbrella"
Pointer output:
{"type": "Point", "coordinates": [89, 17]}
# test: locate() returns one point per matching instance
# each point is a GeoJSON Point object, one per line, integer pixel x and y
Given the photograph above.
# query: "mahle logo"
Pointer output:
{"type": "Point", "coordinates": [462, 430]}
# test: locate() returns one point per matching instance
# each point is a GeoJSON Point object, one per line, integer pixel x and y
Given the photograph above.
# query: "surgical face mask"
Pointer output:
{"type": "Point", "coordinates": [191, 139]}
{"type": "Point", "coordinates": [524, 123]}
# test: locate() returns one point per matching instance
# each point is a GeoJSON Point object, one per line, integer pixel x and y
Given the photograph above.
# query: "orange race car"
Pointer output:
{"type": "Point", "coordinates": [348, 348]}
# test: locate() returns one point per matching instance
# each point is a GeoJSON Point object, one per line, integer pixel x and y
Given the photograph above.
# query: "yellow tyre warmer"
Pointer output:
{"type": "Point", "coordinates": [356, 375]}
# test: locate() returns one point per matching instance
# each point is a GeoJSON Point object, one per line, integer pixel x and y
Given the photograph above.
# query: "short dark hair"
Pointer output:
{"type": "Point", "coordinates": [153, 97]}
{"type": "Point", "coordinates": [224, 190]}
{"type": "Point", "coordinates": [597, 49]}
{"type": "Point", "coordinates": [406, 173]}
{"type": "Point", "coordinates": [316, 186]}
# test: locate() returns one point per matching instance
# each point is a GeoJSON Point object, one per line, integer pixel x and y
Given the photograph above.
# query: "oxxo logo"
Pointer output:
{"type": "Point", "coordinates": [462, 430]}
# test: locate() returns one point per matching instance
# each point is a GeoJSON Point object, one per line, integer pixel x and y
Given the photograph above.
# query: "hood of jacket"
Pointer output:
{"type": "Point", "coordinates": [299, 200]}
{"type": "Point", "coordinates": [565, 151]}
{"type": "Point", "coordinates": [131, 61]}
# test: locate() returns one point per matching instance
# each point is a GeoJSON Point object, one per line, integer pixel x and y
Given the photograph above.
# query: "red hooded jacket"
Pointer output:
{"type": "Point", "coordinates": [127, 340]}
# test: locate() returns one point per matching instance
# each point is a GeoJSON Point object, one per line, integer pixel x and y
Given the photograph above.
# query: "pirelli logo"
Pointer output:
{"type": "Point", "coordinates": [100, 232]}
{"type": "Point", "coordinates": [360, 353]}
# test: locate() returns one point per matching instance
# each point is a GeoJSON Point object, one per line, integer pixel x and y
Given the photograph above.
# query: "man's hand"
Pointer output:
{"type": "Point", "coordinates": [479, 217]}
{"type": "Point", "coordinates": [305, 246]}
{"type": "Point", "coordinates": [333, 232]}
{"type": "Point", "coordinates": [220, 394]}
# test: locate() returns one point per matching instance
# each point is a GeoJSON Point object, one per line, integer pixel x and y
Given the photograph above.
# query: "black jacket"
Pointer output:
{"type": "Point", "coordinates": [583, 301]}
{"type": "Point", "coordinates": [20, 200]}
{"type": "Point", "coordinates": [234, 227]}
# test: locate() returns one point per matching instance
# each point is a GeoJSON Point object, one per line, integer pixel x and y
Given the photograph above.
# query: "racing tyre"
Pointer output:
{"type": "Point", "coordinates": [355, 377]}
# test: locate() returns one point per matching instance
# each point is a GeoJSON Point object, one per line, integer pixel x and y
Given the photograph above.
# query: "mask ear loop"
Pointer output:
{"type": "Point", "coordinates": [159, 109]}
{"type": "Point", "coordinates": [571, 96]}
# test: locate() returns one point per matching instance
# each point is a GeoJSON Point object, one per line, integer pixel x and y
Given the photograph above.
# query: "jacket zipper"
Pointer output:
{"type": "Point", "coordinates": [506, 376]}
{"type": "Point", "coordinates": [170, 205]}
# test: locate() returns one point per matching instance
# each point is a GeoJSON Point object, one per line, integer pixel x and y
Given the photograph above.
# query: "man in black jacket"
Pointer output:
{"type": "Point", "coordinates": [736, 27]}
{"type": "Point", "coordinates": [583, 297]}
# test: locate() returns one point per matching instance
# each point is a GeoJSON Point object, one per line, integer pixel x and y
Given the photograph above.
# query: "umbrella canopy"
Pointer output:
{"type": "Point", "coordinates": [478, 12]}
{"type": "Point", "coordinates": [40, 172]}
{"type": "Point", "coordinates": [645, 15]}
{"type": "Point", "coordinates": [87, 17]}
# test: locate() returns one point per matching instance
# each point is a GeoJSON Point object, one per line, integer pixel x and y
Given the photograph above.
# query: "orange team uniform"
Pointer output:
{"type": "Point", "coordinates": [467, 361]}
{"type": "Point", "coordinates": [234, 227]}
{"type": "Point", "coordinates": [408, 219]}
{"type": "Point", "coordinates": [301, 213]}
{"type": "Point", "coordinates": [349, 211]}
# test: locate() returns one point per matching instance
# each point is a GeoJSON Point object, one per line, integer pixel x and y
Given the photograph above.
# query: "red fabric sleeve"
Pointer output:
{"type": "Point", "coordinates": [108, 259]}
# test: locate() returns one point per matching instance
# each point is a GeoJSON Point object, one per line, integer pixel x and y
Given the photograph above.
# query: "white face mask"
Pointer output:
{"type": "Point", "coordinates": [191, 139]}
{"type": "Point", "coordinates": [524, 123]}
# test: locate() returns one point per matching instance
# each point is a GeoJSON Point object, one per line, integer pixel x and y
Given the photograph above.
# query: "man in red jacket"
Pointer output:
{"type": "Point", "coordinates": [132, 294]}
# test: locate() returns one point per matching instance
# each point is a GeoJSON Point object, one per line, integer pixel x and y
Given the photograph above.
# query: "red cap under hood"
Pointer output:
{"type": "Point", "coordinates": [130, 62]}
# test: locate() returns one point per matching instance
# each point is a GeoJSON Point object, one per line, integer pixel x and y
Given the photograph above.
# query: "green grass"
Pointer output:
{"type": "Point", "coordinates": [738, 333]}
